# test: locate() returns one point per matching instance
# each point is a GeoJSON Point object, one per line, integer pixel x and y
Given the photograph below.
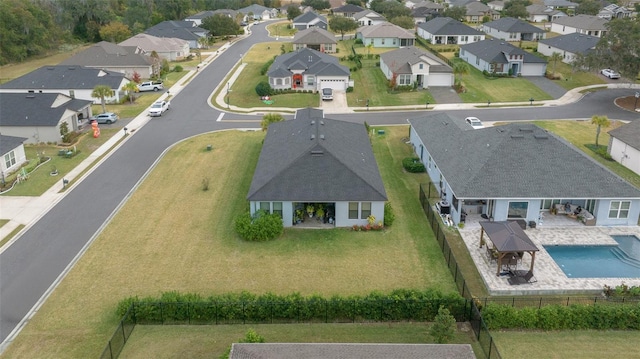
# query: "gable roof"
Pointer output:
{"type": "Point", "coordinates": [477, 8]}
{"type": "Point", "coordinates": [629, 134]}
{"type": "Point", "coordinates": [348, 8]}
{"type": "Point", "coordinates": [314, 36]}
{"type": "Point", "coordinates": [494, 50]}
{"type": "Point", "coordinates": [65, 77]}
{"type": "Point", "coordinates": [460, 3]}
{"type": "Point", "coordinates": [448, 26]}
{"type": "Point", "coordinates": [574, 42]}
{"type": "Point", "coordinates": [316, 159]}
{"type": "Point", "coordinates": [150, 43]}
{"type": "Point", "coordinates": [9, 143]}
{"type": "Point", "coordinates": [36, 109]}
{"type": "Point", "coordinates": [107, 54]}
{"type": "Point", "coordinates": [559, 3]}
{"type": "Point", "coordinates": [308, 17]}
{"type": "Point", "coordinates": [255, 9]}
{"type": "Point", "coordinates": [386, 30]}
{"type": "Point", "coordinates": [538, 9]}
{"type": "Point", "coordinates": [368, 13]}
{"type": "Point", "coordinates": [423, 12]}
{"type": "Point", "coordinates": [510, 24]}
{"type": "Point", "coordinates": [401, 60]}
{"type": "Point", "coordinates": [517, 160]}
{"type": "Point", "coordinates": [311, 61]}
{"type": "Point", "coordinates": [586, 22]}
{"type": "Point", "coordinates": [428, 5]}
{"type": "Point", "coordinates": [185, 30]}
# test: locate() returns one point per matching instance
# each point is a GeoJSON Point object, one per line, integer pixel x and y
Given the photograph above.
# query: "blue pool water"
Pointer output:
{"type": "Point", "coordinates": [621, 261]}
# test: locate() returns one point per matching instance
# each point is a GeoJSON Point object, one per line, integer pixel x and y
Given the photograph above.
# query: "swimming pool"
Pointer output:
{"type": "Point", "coordinates": [621, 261]}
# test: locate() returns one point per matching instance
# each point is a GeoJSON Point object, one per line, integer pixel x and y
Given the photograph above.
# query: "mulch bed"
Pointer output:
{"type": "Point", "coordinates": [627, 102]}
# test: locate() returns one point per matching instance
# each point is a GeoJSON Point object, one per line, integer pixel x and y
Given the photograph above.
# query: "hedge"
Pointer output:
{"type": "Point", "coordinates": [413, 165]}
{"type": "Point", "coordinates": [399, 305]}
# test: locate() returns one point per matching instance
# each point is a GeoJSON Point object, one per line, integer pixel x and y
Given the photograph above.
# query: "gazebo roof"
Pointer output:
{"type": "Point", "coordinates": [507, 236]}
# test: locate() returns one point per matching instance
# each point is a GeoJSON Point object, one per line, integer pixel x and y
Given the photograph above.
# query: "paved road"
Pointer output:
{"type": "Point", "coordinates": [34, 262]}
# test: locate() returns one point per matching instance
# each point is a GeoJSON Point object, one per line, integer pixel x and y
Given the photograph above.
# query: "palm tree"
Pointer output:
{"type": "Point", "coordinates": [102, 91]}
{"type": "Point", "coordinates": [131, 88]}
{"type": "Point", "coordinates": [554, 58]}
{"type": "Point", "coordinates": [459, 68]}
{"type": "Point", "coordinates": [600, 121]}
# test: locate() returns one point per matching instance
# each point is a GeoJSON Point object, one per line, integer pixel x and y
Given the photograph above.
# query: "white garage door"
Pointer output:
{"type": "Point", "coordinates": [333, 84]}
{"type": "Point", "coordinates": [436, 80]}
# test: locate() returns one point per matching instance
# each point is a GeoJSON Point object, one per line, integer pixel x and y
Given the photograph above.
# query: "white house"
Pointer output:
{"type": "Point", "coordinates": [171, 49]}
{"type": "Point", "coordinates": [541, 13]}
{"type": "Point", "coordinates": [445, 30]}
{"type": "Point", "coordinates": [13, 155]}
{"type": "Point", "coordinates": [511, 29]}
{"type": "Point", "coordinates": [583, 24]}
{"type": "Point", "coordinates": [624, 145]}
{"type": "Point", "coordinates": [368, 18]}
{"type": "Point", "coordinates": [569, 46]}
{"type": "Point", "coordinates": [411, 65]}
{"type": "Point", "coordinates": [385, 35]}
{"type": "Point", "coordinates": [501, 57]}
{"type": "Point", "coordinates": [308, 69]}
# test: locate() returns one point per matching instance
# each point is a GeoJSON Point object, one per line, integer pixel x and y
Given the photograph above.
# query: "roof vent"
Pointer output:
{"type": "Point", "coordinates": [317, 153]}
{"type": "Point", "coordinates": [322, 122]}
{"type": "Point", "coordinates": [541, 136]}
{"type": "Point", "coordinates": [31, 96]}
{"type": "Point", "coordinates": [313, 123]}
{"type": "Point", "coordinates": [526, 129]}
{"type": "Point", "coordinates": [313, 137]}
{"type": "Point", "coordinates": [322, 137]}
{"type": "Point", "coordinates": [517, 136]}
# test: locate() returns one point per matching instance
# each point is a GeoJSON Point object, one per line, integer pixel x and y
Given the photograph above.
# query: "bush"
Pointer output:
{"type": "Point", "coordinates": [263, 226]}
{"type": "Point", "coordinates": [349, 89]}
{"type": "Point", "coordinates": [444, 326]}
{"type": "Point", "coordinates": [177, 68]}
{"type": "Point", "coordinates": [264, 89]}
{"type": "Point", "coordinates": [389, 215]}
{"type": "Point", "coordinates": [265, 67]}
{"type": "Point", "coordinates": [413, 165]}
{"type": "Point", "coordinates": [358, 42]}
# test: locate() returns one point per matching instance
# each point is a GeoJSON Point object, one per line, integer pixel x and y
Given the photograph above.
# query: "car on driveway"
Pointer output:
{"type": "Point", "coordinates": [610, 74]}
{"type": "Point", "coordinates": [107, 117]}
{"type": "Point", "coordinates": [327, 94]}
{"type": "Point", "coordinates": [474, 122]}
{"type": "Point", "coordinates": [158, 108]}
{"type": "Point", "coordinates": [151, 86]}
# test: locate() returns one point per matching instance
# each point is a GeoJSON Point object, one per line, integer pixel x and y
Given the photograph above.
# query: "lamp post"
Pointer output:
{"type": "Point", "coordinates": [125, 131]}
{"type": "Point", "coordinates": [635, 105]}
{"type": "Point", "coordinates": [367, 104]}
{"type": "Point", "coordinates": [531, 101]}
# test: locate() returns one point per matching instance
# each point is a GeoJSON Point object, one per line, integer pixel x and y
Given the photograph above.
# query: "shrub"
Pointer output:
{"type": "Point", "coordinates": [349, 89]}
{"type": "Point", "coordinates": [444, 326]}
{"type": "Point", "coordinates": [358, 41]}
{"type": "Point", "coordinates": [413, 165]}
{"type": "Point", "coordinates": [263, 226]}
{"type": "Point", "coordinates": [264, 89]}
{"type": "Point", "coordinates": [177, 68]}
{"type": "Point", "coordinates": [389, 216]}
{"type": "Point", "coordinates": [265, 67]}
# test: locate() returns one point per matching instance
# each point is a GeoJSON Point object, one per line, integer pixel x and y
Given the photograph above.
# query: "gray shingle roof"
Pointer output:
{"type": "Point", "coordinates": [107, 54]}
{"type": "Point", "coordinates": [311, 61]}
{"type": "Point", "coordinates": [255, 9]}
{"type": "Point", "coordinates": [9, 143]}
{"type": "Point", "coordinates": [314, 36]}
{"type": "Point", "coordinates": [586, 22]}
{"type": "Point", "coordinates": [65, 78]}
{"type": "Point", "coordinates": [307, 17]}
{"type": "Point", "coordinates": [401, 60]}
{"type": "Point", "coordinates": [428, 5]}
{"type": "Point", "coordinates": [368, 13]}
{"type": "Point", "coordinates": [494, 50]}
{"type": "Point", "coordinates": [514, 161]}
{"type": "Point", "coordinates": [316, 159]}
{"type": "Point", "coordinates": [35, 109]}
{"type": "Point", "coordinates": [348, 8]}
{"type": "Point", "coordinates": [385, 30]}
{"type": "Point", "coordinates": [629, 134]}
{"type": "Point", "coordinates": [349, 350]}
{"type": "Point", "coordinates": [461, 3]}
{"type": "Point", "coordinates": [184, 30]}
{"type": "Point", "coordinates": [150, 43]}
{"type": "Point", "coordinates": [560, 3]}
{"type": "Point", "coordinates": [509, 24]}
{"type": "Point", "coordinates": [575, 42]}
{"type": "Point", "coordinates": [477, 8]}
{"type": "Point", "coordinates": [537, 9]}
{"type": "Point", "coordinates": [447, 26]}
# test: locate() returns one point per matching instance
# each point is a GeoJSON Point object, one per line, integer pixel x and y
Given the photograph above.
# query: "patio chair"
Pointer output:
{"type": "Point", "coordinates": [520, 278]}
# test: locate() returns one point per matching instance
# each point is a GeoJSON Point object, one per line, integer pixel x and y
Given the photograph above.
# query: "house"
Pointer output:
{"type": "Point", "coordinates": [498, 172]}
{"type": "Point", "coordinates": [560, 4]}
{"type": "Point", "coordinates": [541, 13]}
{"type": "Point", "coordinates": [73, 81]}
{"type": "Point", "coordinates": [315, 38]}
{"type": "Point", "coordinates": [503, 58]}
{"type": "Point", "coordinates": [461, 3]}
{"type": "Point", "coordinates": [583, 24]}
{"type": "Point", "coordinates": [569, 46]}
{"type": "Point", "coordinates": [497, 5]}
{"type": "Point", "coordinates": [445, 30]}
{"type": "Point", "coordinates": [111, 57]}
{"type": "Point", "coordinates": [423, 14]}
{"type": "Point", "coordinates": [310, 19]}
{"type": "Point", "coordinates": [429, 5]}
{"type": "Point", "coordinates": [368, 18]}
{"type": "Point", "coordinates": [334, 4]}
{"type": "Point", "coordinates": [38, 116]}
{"type": "Point", "coordinates": [184, 30]}
{"type": "Point", "coordinates": [199, 17]}
{"type": "Point", "coordinates": [412, 66]}
{"type": "Point", "coordinates": [477, 12]}
{"type": "Point", "coordinates": [171, 49]}
{"type": "Point", "coordinates": [258, 12]}
{"type": "Point", "coordinates": [348, 10]}
{"type": "Point", "coordinates": [307, 69]}
{"type": "Point", "coordinates": [624, 145]}
{"type": "Point", "coordinates": [511, 29]}
{"type": "Point", "coordinates": [313, 160]}
{"type": "Point", "coordinates": [385, 35]}
{"type": "Point", "coordinates": [613, 11]}
{"type": "Point", "coordinates": [13, 155]}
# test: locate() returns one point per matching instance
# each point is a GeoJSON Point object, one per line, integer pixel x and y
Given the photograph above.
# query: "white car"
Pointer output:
{"type": "Point", "coordinates": [610, 74]}
{"type": "Point", "coordinates": [158, 108]}
{"type": "Point", "coordinates": [474, 122]}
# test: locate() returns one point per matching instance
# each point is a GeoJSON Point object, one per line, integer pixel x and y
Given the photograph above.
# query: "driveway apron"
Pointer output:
{"type": "Point", "coordinates": [444, 95]}
{"type": "Point", "coordinates": [554, 90]}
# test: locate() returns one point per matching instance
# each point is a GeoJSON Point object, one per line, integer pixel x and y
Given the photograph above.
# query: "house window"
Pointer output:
{"type": "Point", "coordinates": [518, 209]}
{"type": "Point", "coordinates": [272, 81]}
{"type": "Point", "coordinates": [404, 80]}
{"type": "Point", "coordinates": [10, 159]}
{"type": "Point", "coordinates": [278, 82]}
{"type": "Point", "coordinates": [265, 206]}
{"type": "Point", "coordinates": [328, 47]}
{"type": "Point", "coordinates": [394, 41]}
{"type": "Point", "coordinates": [277, 208]}
{"type": "Point", "coordinates": [465, 38]}
{"type": "Point", "coordinates": [72, 94]}
{"type": "Point", "coordinates": [429, 163]}
{"type": "Point", "coordinates": [382, 41]}
{"type": "Point", "coordinates": [353, 210]}
{"type": "Point", "coordinates": [311, 80]}
{"type": "Point", "coordinates": [477, 61]}
{"type": "Point", "coordinates": [619, 209]}
{"type": "Point", "coordinates": [365, 211]}
{"type": "Point", "coordinates": [421, 66]}
{"type": "Point", "coordinates": [286, 81]}
{"type": "Point", "coordinates": [476, 38]}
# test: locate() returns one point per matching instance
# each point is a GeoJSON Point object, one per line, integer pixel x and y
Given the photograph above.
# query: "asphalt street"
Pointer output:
{"type": "Point", "coordinates": [31, 265]}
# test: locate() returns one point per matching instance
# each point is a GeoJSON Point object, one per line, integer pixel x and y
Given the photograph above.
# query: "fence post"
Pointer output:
{"type": "Point", "coordinates": [271, 304]}
{"type": "Point", "coordinates": [244, 317]}
{"type": "Point", "coordinates": [490, 346]}
{"type": "Point", "coordinates": [326, 311]}
{"type": "Point", "coordinates": [110, 350]}
{"type": "Point", "coordinates": [162, 313]}
{"type": "Point", "coordinates": [188, 314]}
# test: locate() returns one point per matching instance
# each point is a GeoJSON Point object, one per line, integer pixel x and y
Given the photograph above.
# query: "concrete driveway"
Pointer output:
{"type": "Point", "coordinates": [337, 105]}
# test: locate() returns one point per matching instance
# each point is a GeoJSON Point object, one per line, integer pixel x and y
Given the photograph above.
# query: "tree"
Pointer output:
{"type": "Point", "coordinates": [459, 68]}
{"type": "Point", "coordinates": [516, 8]}
{"type": "Point", "coordinates": [355, 2]}
{"type": "Point", "coordinates": [588, 7]}
{"type": "Point", "coordinates": [317, 4]}
{"type": "Point", "coordinates": [115, 32]}
{"type": "Point", "coordinates": [220, 25]}
{"type": "Point", "coordinates": [342, 24]}
{"type": "Point", "coordinates": [269, 119]}
{"type": "Point", "coordinates": [405, 22]}
{"type": "Point", "coordinates": [391, 9]}
{"type": "Point", "coordinates": [444, 326]}
{"type": "Point", "coordinates": [554, 58]}
{"type": "Point", "coordinates": [131, 88]}
{"type": "Point", "coordinates": [293, 12]}
{"type": "Point", "coordinates": [455, 12]}
{"type": "Point", "coordinates": [618, 49]}
{"type": "Point", "coordinates": [203, 41]}
{"type": "Point", "coordinates": [599, 121]}
{"type": "Point", "coordinates": [101, 92]}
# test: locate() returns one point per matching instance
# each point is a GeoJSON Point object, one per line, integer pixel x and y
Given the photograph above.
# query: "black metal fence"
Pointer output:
{"type": "Point", "coordinates": [120, 336]}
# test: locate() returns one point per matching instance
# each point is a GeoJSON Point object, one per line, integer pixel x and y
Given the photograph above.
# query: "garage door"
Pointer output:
{"type": "Point", "coordinates": [436, 80]}
{"type": "Point", "coordinates": [333, 84]}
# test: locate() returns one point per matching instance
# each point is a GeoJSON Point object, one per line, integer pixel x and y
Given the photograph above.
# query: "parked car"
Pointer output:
{"type": "Point", "coordinates": [610, 74]}
{"type": "Point", "coordinates": [107, 117]}
{"type": "Point", "coordinates": [327, 94]}
{"type": "Point", "coordinates": [151, 86]}
{"type": "Point", "coordinates": [158, 108]}
{"type": "Point", "coordinates": [474, 122]}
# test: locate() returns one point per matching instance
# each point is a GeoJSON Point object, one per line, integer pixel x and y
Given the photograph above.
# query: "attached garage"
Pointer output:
{"type": "Point", "coordinates": [336, 84]}
{"type": "Point", "coordinates": [439, 80]}
{"type": "Point", "coordinates": [535, 69]}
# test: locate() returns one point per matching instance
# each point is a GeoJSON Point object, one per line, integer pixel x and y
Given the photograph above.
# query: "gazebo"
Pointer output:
{"type": "Point", "coordinates": [509, 240]}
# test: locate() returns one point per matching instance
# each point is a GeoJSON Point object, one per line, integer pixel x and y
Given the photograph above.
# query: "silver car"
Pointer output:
{"type": "Point", "coordinates": [107, 117]}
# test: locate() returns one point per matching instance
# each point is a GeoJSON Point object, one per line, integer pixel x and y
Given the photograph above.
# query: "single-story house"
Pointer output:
{"type": "Point", "coordinates": [310, 19]}
{"type": "Point", "coordinates": [613, 11]}
{"type": "Point", "coordinates": [38, 116]}
{"type": "Point", "coordinates": [498, 172]}
{"type": "Point", "coordinates": [512, 29]}
{"type": "Point", "coordinates": [315, 38]}
{"type": "Point", "coordinates": [583, 24]}
{"type": "Point", "coordinates": [560, 4]}
{"type": "Point", "coordinates": [199, 17]}
{"type": "Point", "coordinates": [111, 57]}
{"type": "Point", "coordinates": [73, 81]}
{"type": "Point", "coordinates": [497, 5]}
{"type": "Point", "coordinates": [477, 11]}
{"type": "Point", "coordinates": [348, 10]}
{"type": "Point", "coordinates": [445, 30]}
{"type": "Point", "coordinates": [624, 145]}
{"type": "Point", "coordinates": [569, 46]}
{"type": "Point", "coordinates": [368, 18]}
{"type": "Point", "coordinates": [461, 3]}
{"type": "Point", "coordinates": [385, 35]}
{"type": "Point", "coordinates": [258, 12]}
{"type": "Point", "coordinates": [171, 49]}
{"type": "Point", "coordinates": [423, 14]}
{"type": "Point", "coordinates": [501, 57]}
{"type": "Point", "coordinates": [412, 66]}
{"type": "Point", "coordinates": [429, 5]}
{"type": "Point", "coordinates": [541, 13]}
{"type": "Point", "coordinates": [184, 30]}
{"type": "Point", "coordinates": [312, 160]}
{"type": "Point", "coordinates": [13, 155]}
{"type": "Point", "coordinates": [307, 69]}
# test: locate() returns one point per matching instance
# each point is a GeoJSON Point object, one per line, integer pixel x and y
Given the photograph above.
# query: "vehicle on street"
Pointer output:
{"type": "Point", "coordinates": [107, 117]}
{"type": "Point", "coordinates": [610, 74]}
{"type": "Point", "coordinates": [150, 86]}
{"type": "Point", "coordinates": [158, 108]}
{"type": "Point", "coordinates": [474, 122]}
{"type": "Point", "coordinates": [327, 94]}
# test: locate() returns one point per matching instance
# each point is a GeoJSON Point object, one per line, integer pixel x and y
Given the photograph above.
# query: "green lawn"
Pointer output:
{"type": "Point", "coordinates": [572, 79]}
{"type": "Point", "coordinates": [281, 28]}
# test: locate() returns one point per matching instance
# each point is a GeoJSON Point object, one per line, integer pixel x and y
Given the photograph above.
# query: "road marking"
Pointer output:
{"type": "Point", "coordinates": [220, 117]}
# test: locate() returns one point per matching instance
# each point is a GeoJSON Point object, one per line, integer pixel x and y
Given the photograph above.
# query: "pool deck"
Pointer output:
{"type": "Point", "coordinates": [554, 230]}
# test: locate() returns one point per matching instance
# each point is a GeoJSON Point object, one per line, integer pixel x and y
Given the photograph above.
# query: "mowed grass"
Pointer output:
{"type": "Point", "coordinates": [12, 71]}
{"type": "Point", "coordinates": [172, 235]}
{"type": "Point", "coordinates": [281, 28]}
